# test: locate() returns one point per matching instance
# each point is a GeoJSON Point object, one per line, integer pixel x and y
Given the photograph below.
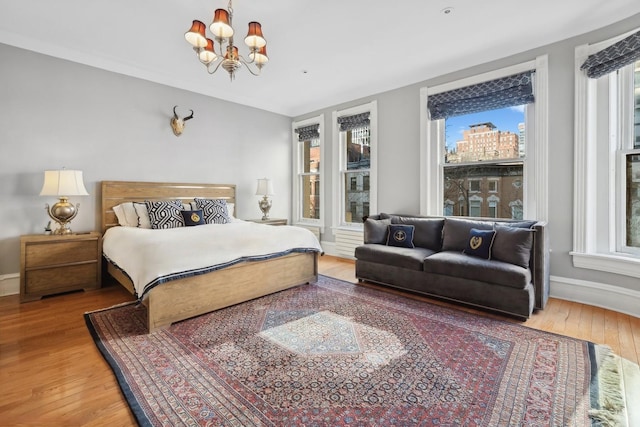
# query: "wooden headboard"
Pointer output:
{"type": "Point", "coordinates": [116, 192]}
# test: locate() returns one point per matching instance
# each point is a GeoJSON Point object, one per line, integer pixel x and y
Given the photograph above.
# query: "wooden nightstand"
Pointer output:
{"type": "Point", "coordinates": [270, 221]}
{"type": "Point", "coordinates": [55, 264]}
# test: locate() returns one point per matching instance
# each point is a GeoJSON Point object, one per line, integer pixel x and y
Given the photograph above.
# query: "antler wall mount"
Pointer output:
{"type": "Point", "coordinates": [177, 123]}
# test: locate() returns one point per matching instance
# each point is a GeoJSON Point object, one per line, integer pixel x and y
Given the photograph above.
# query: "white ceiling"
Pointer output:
{"type": "Point", "coordinates": [348, 48]}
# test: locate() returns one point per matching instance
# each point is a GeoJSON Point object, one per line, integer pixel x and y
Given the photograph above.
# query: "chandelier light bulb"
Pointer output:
{"type": "Point", "coordinates": [221, 26]}
{"type": "Point", "coordinates": [196, 35]}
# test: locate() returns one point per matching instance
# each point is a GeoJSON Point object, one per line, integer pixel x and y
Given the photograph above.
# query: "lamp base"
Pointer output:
{"type": "Point", "coordinates": [265, 206]}
{"type": "Point", "coordinates": [62, 212]}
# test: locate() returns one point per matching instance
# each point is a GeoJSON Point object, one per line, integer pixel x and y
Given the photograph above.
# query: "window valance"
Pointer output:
{"type": "Point", "coordinates": [354, 122]}
{"type": "Point", "coordinates": [306, 133]}
{"type": "Point", "coordinates": [614, 57]}
{"type": "Point", "coordinates": [504, 92]}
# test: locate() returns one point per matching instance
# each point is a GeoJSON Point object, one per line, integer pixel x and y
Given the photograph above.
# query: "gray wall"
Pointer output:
{"type": "Point", "coordinates": [399, 146]}
{"type": "Point", "coordinates": [56, 113]}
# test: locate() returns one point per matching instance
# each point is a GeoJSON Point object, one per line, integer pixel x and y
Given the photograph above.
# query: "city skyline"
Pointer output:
{"type": "Point", "coordinates": [505, 119]}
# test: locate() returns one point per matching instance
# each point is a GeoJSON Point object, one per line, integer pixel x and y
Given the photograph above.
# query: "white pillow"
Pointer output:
{"type": "Point", "coordinates": [126, 214]}
{"type": "Point", "coordinates": [143, 215]}
{"type": "Point", "coordinates": [231, 209]}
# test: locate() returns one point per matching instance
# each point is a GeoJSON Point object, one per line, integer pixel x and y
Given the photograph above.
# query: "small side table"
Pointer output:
{"type": "Point", "coordinates": [55, 264]}
{"type": "Point", "coordinates": [270, 221]}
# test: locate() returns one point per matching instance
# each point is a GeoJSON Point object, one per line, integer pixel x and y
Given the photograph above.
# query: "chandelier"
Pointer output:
{"type": "Point", "coordinates": [223, 32]}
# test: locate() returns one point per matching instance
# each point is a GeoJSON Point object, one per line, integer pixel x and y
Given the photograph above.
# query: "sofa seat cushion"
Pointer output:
{"type": "Point", "coordinates": [456, 264]}
{"type": "Point", "coordinates": [410, 258]}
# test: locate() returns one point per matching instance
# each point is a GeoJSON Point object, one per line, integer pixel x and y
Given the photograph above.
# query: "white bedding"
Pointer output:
{"type": "Point", "coordinates": [150, 257]}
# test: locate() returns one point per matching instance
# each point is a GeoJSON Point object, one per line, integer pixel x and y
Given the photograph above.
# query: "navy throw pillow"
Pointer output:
{"type": "Point", "coordinates": [192, 218]}
{"type": "Point", "coordinates": [400, 236]}
{"type": "Point", "coordinates": [480, 243]}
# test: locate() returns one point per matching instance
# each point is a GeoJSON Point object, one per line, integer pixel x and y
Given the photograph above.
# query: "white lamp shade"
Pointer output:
{"type": "Point", "coordinates": [63, 183]}
{"type": "Point", "coordinates": [265, 187]}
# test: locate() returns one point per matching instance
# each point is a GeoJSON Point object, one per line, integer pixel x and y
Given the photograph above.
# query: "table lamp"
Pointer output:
{"type": "Point", "coordinates": [63, 183]}
{"type": "Point", "coordinates": [265, 188]}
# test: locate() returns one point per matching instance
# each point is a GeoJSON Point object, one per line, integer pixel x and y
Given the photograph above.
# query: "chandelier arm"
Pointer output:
{"type": "Point", "coordinates": [217, 66]}
{"type": "Point", "coordinates": [248, 65]}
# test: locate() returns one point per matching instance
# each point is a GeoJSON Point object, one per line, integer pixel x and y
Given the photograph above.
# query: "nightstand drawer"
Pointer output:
{"type": "Point", "coordinates": [46, 254]}
{"type": "Point", "coordinates": [54, 264]}
{"type": "Point", "coordinates": [60, 279]}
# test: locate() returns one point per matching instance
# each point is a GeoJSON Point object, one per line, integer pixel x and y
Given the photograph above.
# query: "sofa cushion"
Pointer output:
{"type": "Point", "coordinates": [375, 230]}
{"type": "Point", "coordinates": [513, 245]}
{"type": "Point", "coordinates": [455, 232]}
{"type": "Point", "coordinates": [410, 258]}
{"type": "Point", "coordinates": [457, 264]}
{"type": "Point", "coordinates": [479, 243]}
{"type": "Point", "coordinates": [400, 236]}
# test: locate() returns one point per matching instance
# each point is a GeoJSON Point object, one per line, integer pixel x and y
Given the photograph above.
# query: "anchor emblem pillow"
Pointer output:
{"type": "Point", "coordinates": [400, 236]}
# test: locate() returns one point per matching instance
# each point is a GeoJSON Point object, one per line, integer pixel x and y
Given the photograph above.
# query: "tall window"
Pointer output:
{"type": "Point", "coordinates": [307, 197]}
{"type": "Point", "coordinates": [484, 144]}
{"type": "Point", "coordinates": [607, 146]}
{"type": "Point", "coordinates": [355, 141]}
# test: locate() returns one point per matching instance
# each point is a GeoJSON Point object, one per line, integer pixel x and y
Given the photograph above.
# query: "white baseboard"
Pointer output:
{"type": "Point", "coordinates": [329, 248]}
{"type": "Point", "coordinates": [614, 298]}
{"type": "Point", "coordinates": [9, 284]}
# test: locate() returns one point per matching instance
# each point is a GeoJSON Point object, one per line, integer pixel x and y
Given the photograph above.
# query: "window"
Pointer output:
{"type": "Point", "coordinates": [355, 164]}
{"type": "Point", "coordinates": [491, 142]}
{"type": "Point", "coordinates": [607, 146]}
{"type": "Point", "coordinates": [475, 208]}
{"type": "Point", "coordinates": [474, 185]}
{"type": "Point", "coordinates": [493, 209]}
{"type": "Point", "coordinates": [307, 169]}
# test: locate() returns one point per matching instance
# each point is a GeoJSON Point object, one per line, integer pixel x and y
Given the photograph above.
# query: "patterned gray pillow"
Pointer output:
{"type": "Point", "coordinates": [165, 213]}
{"type": "Point", "coordinates": [214, 210]}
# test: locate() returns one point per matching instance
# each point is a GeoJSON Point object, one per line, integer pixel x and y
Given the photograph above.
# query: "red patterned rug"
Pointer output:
{"type": "Point", "coordinates": [334, 354]}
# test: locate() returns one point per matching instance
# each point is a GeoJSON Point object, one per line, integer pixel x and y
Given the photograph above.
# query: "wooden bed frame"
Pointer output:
{"type": "Point", "coordinates": [188, 297]}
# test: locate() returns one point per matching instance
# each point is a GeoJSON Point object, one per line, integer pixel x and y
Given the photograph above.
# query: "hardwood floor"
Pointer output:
{"type": "Point", "coordinates": [52, 373]}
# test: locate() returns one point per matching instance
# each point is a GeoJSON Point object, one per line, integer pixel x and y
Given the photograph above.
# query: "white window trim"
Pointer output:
{"type": "Point", "coordinates": [296, 201]}
{"type": "Point", "coordinates": [584, 252]}
{"type": "Point", "coordinates": [338, 157]}
{"type": "Point", "coordinates": [536, 174]}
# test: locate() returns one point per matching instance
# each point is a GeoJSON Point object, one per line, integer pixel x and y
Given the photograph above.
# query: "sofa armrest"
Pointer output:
{"type": "Point", "coordinates": [540, 263]}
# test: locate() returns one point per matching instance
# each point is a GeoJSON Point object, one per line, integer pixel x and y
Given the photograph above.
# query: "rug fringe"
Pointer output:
{"type": "Point", "coordinates": [611, 399]}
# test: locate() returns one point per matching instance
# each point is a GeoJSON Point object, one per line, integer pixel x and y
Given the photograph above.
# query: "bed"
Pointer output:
{"type": "Point", "coordinates": [191, 296]}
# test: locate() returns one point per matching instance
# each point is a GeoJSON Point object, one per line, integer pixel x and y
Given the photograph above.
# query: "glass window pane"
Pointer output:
{"type": "Point", "coordinates": [465, 183]}
{"type": "Point", "coordinates": [311, 156]}
{"type": "Point", "coordinates": [633, 200]}
{"type": "Point", "coordinates": [356, 197]}
{"type": "Point", "coordinates": [636, 104]}
{"type": "Point", "coordinates": [310, 187]}
{"type": "Point", "coordinates": [485, 136]}
{"type": "Point", "coordinates": [358, 149]}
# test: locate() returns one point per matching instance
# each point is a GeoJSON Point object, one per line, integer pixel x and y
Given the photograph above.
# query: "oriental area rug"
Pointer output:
{"type": "Point", "coordinates": [333, 353]}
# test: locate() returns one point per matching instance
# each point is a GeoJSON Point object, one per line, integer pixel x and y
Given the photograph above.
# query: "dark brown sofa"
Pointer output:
{"type": "Point", "coordinates": [513, 280]}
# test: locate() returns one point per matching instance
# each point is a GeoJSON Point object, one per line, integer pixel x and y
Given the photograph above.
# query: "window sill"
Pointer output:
{"type": "Point", "coordinates": [626, 265]}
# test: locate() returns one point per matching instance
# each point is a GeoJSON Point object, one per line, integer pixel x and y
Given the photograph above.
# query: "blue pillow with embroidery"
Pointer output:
{"type": "Point", "coordinates": [400, 236]}
{"type": "Point", "coordinates": [480, 243]}
{"type": "Point", "coordinates": [192, 218]}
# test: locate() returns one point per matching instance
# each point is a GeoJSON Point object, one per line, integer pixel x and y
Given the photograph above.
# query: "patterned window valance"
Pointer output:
{"type": "Point", "coordinates": [500, 93]}
{"type": "Point", "coordinates": [614, 57]}
{"type": "Point", "coordinates": [306, 133]}
{"type": "Point", "coordinates": [354, 122]}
